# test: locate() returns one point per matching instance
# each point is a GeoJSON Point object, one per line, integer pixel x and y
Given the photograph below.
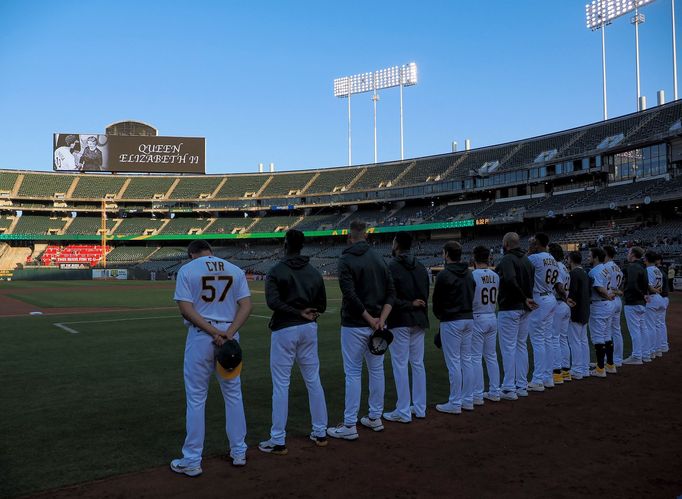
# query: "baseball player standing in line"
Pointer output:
{"type": "Point", "coordinates": [368, 296]}
{"type": "Point", "coordinates": [408, 320]}
{"type": "Point", "coordinates": [294, 291]}
{"type": "Point", "coordinates": [484, 340]}
{"type": "Point", "coordinates": [655, 307]}
{"type": "Point", "coordinates": [515, 302]}
{"type": "Point", "coordinates": [561, 353]}
{"type": "Point", "coordinates": [600, 314]}
{"type": "Point", "coordinates": [214, 299]}
{"type": "Point", "coordinates": [541, 319]}
{"type": "Point", "coordinates": [453, 298]}
{"type": "Point", "coordinates": [635, 292]}
{"type": "Point", "coordinates": [579, 301]}
{"type": "Point", "coordinates": [616, 277]}
{"type": "Point", "coordinates": [665, 291]}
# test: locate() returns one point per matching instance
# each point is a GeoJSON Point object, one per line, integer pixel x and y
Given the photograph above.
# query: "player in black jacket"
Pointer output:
{"type": "Point", "coordinates": [408, 321]}
{"type": "Point", "coordinates": [368, 296]}
{"type": "Point", "coordinates": [453, 298]}
{"type": "Point", "coordinates": [295, 292]}
{"type": "Point", "coordinates": [635, 292]}
{"type": "Point", "coordinates": [579, 301]}
{"type": "Point", "coordinates": [515, 301]}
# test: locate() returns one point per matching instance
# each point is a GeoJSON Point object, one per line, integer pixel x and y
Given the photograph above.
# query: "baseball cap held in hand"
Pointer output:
{"type": "Point", "coordinates": [229, 360]}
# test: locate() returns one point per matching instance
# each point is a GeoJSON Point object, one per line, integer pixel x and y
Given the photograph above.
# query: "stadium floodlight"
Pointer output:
{"type": "Point", "coordinates": [396, 76]}
{"type": "Point", "coordinates": [599, 13]}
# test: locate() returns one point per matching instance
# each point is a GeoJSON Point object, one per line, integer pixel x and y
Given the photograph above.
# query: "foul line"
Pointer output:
{"type": "Point", "coordinates": [62, 325]}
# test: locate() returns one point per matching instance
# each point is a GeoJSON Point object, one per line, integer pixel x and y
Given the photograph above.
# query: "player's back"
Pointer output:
{"type": "Point", "coordinates": [213, 286]}
{"type": "Point", "coordinates": [564, 279]}
{"type": "Point", "coordinates": [615, 275]}
{"type": "Point", "coordinates": [546, 272]}
{"type": "Point", "coordinates": [485, 294]}
{"type": "Point", "coordinates": [599, 278]}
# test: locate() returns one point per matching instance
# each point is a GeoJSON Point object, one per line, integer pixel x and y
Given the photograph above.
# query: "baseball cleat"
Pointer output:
{"type": "Point", "coordinates": [320, 441]}
{"type": "Point", "coordinates": [536, 387]}
{"type": "Point", "coordinates": [178, 466]}
{"type": "Point", "coordinates": [522, 392]}
{"type": "Point", "coordinates": [558, 378]}
{"type": "Point", "coordinates": [449, 408]}
{"type": "Point", "coordinates": [239, 460]}
{"type": "Point", "coordinates": [611, 369]}
{"type": "Point", "coordinates": [646, 358]}
{"type": "Point", "coordinates": [566, 375]}
{"type": "Point", "coordinates": [593, 365]}
{"type": "Point", "coordinates": [493, 397]}
{"type": "Point", "coordinates": [659, 353]}
{"type": "Point", "coordinates": [619, 364]}
{"type": "Point", "coordinates": [372, 424]}
{"type": "Point", "coordinates": [413, 411]}
{"type": "Point", "coordinates": [344, 432]}
{"type": "Point", "coordinates": [479, 401]}
{"type": "Point", "coordinates": [598, 372]}
{"type": "Point", "coordinates": [396, 418]}
{"type": "Point", "coordinates": [468, 407]}
{"type": "Point", "coordinates": [633, 361]}
{"type": "Point", "coordinates": [575, 375]}
{"type": "Point", "coordinates": [665, 349]}
{"type": "Point", "coordinates": [272, 448]}
{"type": "Point", "coordinates": [508, 395]}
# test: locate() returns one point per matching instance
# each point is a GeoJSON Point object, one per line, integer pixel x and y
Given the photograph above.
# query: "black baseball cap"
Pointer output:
{"type": "Point", "coordinates": [379, 341]}
{"type": "Point", "coordinates": [229, 360]}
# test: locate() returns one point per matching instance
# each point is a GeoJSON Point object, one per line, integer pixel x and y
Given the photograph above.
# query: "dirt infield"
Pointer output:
{"type": "Point", "coordinates": [618, 437]}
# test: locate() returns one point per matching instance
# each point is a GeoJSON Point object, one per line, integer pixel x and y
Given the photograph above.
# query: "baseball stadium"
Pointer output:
{"type": "Point", "coordinates": [93, 255]}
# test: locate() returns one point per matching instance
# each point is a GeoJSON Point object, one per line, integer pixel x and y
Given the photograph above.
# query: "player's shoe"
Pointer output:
{"type": "Point", "coordinates": [659, 353]}
{"type": "Point", "coordinates": [548, 383]}
{"type": "Point", "coordinates": [494, 397]}
{"type": "Point", "coordinates": [413, 411]}
{"type": "Point", "coordinates": [593, 365]}
{"type": "Point", "coordinates": [320, 441]}
{"type": "Point", "coordinates": [449, 408]}
{"type": "Point", "coordinates": [238, 460]}
{"type": "Point", "coordinates": [178, 466]}
{"type": "Point", "coordinates": [633, 361]}
{"type": "Point", "coordinates": [566, 375]}
{"type": "Point", "coordinates": [598, 372]}
{"type": "Point", "coordinates": [575, 375]}
{"type": "Point", "coordinates": [396, 418]}
{"type": "Point", "coordinates": [344, 432]}
{"type": "Point", "coordinates": [558, 378]}
{"type": "Point", "coordinates": [479, 401]}
{"type": "Point", "coordinates": [272, 448]}
{"type": "Point", "coordinates": [522, 392]}
{"type": "Point", "coordinates": [611, 369]}
{"type": "Point", "coordinates": [372, 424]}
{"type": "Point", "coordinates": [468, 407]}
{"type": "Point", "coordinates": [665, 349]}
{"type": "Point", "coordinates": [619, 364]}
{"type": "Point", "coordinates": [536, 387]}
{"type": "Point", "coordinates": [508, 395]}
{"type": "Point", "coordinates": [646, 358]}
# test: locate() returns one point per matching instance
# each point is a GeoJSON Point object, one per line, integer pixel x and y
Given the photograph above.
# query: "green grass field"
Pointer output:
{"type": "Point", "coordinates": [110, 399]}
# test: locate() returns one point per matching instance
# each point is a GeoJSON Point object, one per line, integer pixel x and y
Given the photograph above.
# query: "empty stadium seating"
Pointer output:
{"type": "Point", "coordinates": [31, 224]}
{"type": "Point", "coordinates": [7, 181]}
{"type": "Point", "coordinates": [237, 186]}
{"type": "Point", "coordinates": [379, 176]}
{"type": "Point", "coordinates": [129, 254]}
{"type": "Point", "coordinates": [148, 187]}
{"type": "Point", "coordinates": [228, 224]}
{"type": "Point", "coordinates": [332, 180]}
{"type": "Point", "coordinates": [44, 185]}
{"type": "Point", "coordinates": [183, 225]}
{"type": "Point", "coordinates": [195, 187]}
{"type": "Point", "coordinates": [274, 224]}
{"type": "Point", "coordinates": [283, 184]}
{"type": "Point", "coordinates": [138, 225]}
{"type": "Point", "coordinates": [85, 225]}
{"type": "Point", "coordinates": [74, 253]}
{"type": "Point", "coordinates": [97, 186]}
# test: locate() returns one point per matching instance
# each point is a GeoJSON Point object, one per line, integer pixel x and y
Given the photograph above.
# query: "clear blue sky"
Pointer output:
{"type": "Point", "coordinates": [255, 78]}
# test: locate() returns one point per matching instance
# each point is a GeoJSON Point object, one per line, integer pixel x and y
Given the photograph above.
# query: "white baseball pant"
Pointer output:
{"type": "Point", "coordinates": [600, 321]}
{"type": "Point", "coordinates": [408, 348]}
{"type": "Point", "coordinates": [513, 334]}
{"type": "Point", "coordinates": [484, 346]}
{"type": "Point", "coordinates": [664, 332]}
{"type": "Point", "coordinates": [635, 319]}
{"type": "Point", "coordinates": [456, 339]}
{"type": "Point", "coordinates": [354, 347]}
{"type": "Point", "coordinates": [561, 351]}
{"type": "Point", "coordinates": [616, 333]}
{"type": "Point", "coordinates": [540, 332]}
{"type": "Point", "coordinates": [580, 348]}
{"type": "Point", "coordinates": [654, 318]}
{"type": "Point", "coordinates": [296, 343]}
{"type": "Point", "coordinates": [199, 365]}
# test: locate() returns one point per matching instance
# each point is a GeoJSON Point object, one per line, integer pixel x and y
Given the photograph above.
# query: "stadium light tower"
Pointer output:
{"type": "Point", "coordinates": [396, 76]}
{"type": "Point", "coordinates": [599, 13]}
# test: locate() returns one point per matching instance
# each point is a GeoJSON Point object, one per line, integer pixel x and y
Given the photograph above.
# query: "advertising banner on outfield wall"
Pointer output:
{"type": "Point", "coordinates": [91, 152]}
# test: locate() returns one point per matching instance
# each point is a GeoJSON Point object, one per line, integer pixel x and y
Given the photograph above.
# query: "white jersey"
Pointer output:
{"type": "Point", "coordinates": [564, 279]}
{"type": "Point", "coordinates": [64, 159]}
{"type": "Point", "coordinates": [546, 272]}
{"type": "Point", "coordinates": [599, 278]}
{"type": "Point", "coordinates": [213, 286]}
{"type": "Point", "coordinates": [485, 295]}
{"type": "Point", "coordinates": [615, 274]}
{"type": "Point", "coordinates": [655, 277]}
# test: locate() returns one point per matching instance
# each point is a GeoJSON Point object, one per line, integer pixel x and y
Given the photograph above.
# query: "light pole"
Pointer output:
{"type": "Point", "coordinates": [396, 76]}
{"type": "Point", "coordinates": [637, 20]}
{"type": "Point", "coordinates": [672, 12]}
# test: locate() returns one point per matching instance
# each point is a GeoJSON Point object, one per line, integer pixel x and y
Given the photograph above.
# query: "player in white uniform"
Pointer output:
{"type": "Point", "coordinates": [655, 307]}
{"type": "Point", "coordinates": [600, 314]}
{"type": "Point", "coordinates": [63, 156]}
{"type": "Point", "coordinates": [561, 354]}
{"type": "Point", "coordinates": [214, 299]}
{"type": "Point", "coordinates": [663, 346]}
{"type": "Point", "coordinates": [616, 283]}
{"type": "Point", "coordinates": [541, 319]}
{"type": "Point", "coordinates": [484, 340]}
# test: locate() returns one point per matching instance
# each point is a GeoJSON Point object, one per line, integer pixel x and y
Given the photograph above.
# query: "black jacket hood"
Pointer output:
{"type": "Point", "coordinates": [358, 249]}
{"type": "Point", "coordinates": [407, 260]}
{"type": "Point", "coordinates": [459, 269]}
{"type": "Point", "coordinates": [517, 251]}
{"type": "Point", "coordinates": [296, 261]}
